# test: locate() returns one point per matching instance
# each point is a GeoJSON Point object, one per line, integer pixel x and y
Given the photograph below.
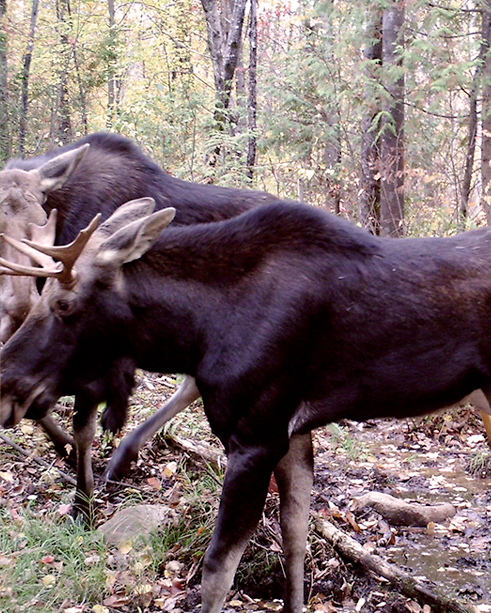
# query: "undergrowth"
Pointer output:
{"type": "Point", "coordinates": [47, 563]}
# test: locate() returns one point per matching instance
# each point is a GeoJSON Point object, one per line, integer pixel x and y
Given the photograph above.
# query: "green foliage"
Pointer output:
{"type": "Point", "coordinates": [342, 440]}
{"type": "Point", "coordinates": [479, 464]}
{"type": "Point", "coordinates": [314, 89]}
{"type": "Point", "coordinates": [46, 561]}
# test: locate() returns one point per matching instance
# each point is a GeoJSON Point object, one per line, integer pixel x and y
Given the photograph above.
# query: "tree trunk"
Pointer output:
{"type": "Point", "coordinates": [483, 67]}
{"type": "Point", "coordinates": [471, 148]}
{"type": "Point", "coordinates": [332, 160]}
{"type": "Point", "coordinates": [224, 37]}
{"type": "Point", "coordinates": [26, 69]}
{"type": "Point", "coordinates": [111, 89]}
{"type": "Point", "coordinates": [61, 125]}
{"type": "Point", "coordinates": [486, 110]}
{"type": "Point", "coordinates": [392, 137]}
{"type": "Point", "coordinates": [252, 91]}
{"type": "Point", "coordinates": [370, 154]}
{"type": "Point", "coordinates": [5, 144]}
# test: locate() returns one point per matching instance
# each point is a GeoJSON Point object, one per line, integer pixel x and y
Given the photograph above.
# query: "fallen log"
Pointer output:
{"type": "Point", "coordinates": [426, 593]}
{"type": "Point", "coordinates": [403, 513]}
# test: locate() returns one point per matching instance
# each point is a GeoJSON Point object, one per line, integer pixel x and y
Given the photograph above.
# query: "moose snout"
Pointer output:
{"type": "Point", "coordinates": [9, 412]}
{"type": "Point", "coordinates": [13, 407]}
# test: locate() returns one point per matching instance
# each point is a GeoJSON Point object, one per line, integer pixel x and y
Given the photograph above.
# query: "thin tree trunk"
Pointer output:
{"type": "Point", "coordinates": [26, 69]}
{"type": "Point", "coordinates": [370, 128]}
{"type": "Point", "coordinates": [482, 67]}
{"type": "Point", "coordinates": [392, 138]}
{"type": "Point", "coordinates": [252, 92]}
{"type": "Point", "coordinates": [5, 145]}
{"type": "Point", "coordinates": [486, 110]}
{"type": "Point", "coordinates": [471, 149]}
{"type": "Point", "coordinates": [111, 96]}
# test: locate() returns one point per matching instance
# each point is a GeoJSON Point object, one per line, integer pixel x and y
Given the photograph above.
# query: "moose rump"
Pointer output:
{"type": "Point", "coordinates": [287, 317]}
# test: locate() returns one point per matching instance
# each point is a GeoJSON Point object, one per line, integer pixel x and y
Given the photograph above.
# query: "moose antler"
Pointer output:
{"type": "Point", "coordinates": [66, 254]}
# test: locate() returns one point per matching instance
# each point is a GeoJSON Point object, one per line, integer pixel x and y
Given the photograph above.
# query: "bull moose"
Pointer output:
{"type": "Point", "coordinates": [96, 174]}
{"type": "Point", "coordinates": [287, 317]}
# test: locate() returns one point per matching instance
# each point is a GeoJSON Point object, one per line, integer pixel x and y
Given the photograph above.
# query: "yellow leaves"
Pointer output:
{"type": "Point", "coordinates": [99, 608]}
{"type": "Point", "coordinates": [306, 173]}
{"type": "Point", "coordinates": [27, 428]}
{"type": "Point", "coordinates": [143, 590]}
{"type": "Point", "coordinates": [110, 580]}
{"type": "Point", "coordinates": [125, 547]}
{"type": "Point", "coordinates": [49, 581]}
{"type": "Point", "coordinates": [170, 470]}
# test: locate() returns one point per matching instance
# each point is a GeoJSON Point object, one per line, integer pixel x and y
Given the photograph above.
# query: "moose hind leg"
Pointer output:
{"type": "Point", "coordinates": [62, 441]}
{"type": "Point", "coordinates": [130, 446]}
{"type": "Point", "coordinates": [243, 496]}
{"type": "Point", "coordinates": [294, 476]}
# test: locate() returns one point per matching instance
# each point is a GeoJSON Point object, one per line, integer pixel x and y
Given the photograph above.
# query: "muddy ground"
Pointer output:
{"type": "Point", "coordinates": [441, 458]}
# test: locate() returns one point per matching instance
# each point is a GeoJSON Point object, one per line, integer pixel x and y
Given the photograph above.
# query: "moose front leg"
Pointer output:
{"type": "Point", "coordinates": [294, 476]}
{"type": "Point", "coordinates": [84, 427]}
{"type": "Point", "coordinates": [244, 493]}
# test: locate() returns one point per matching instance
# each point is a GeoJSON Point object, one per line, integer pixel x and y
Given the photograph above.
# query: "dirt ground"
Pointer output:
{"type": "Point", "coordinates": [441, 458]}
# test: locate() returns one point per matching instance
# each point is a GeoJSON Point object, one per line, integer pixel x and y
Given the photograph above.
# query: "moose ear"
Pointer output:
{"type": "Point", "coordinates": [57, 171]}
{"type": "Point", "coordinates": [135, 239]}
{"type": "Point", "coordinates": [126, 213]}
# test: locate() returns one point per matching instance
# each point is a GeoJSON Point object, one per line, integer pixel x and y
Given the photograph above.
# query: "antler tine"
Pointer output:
{"type": "Point", "coordinates": [67, 254]}
{"type": "Point", "coordinates": [11, 268]}
{"type": "Point", "coordinates": [45, 235]}
{"type": "Point", "coordinates": [39, 258]}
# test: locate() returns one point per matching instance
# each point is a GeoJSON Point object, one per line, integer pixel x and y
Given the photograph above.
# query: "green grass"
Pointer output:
{"type": "Point", "coordinates": [341, 439]}
{"type": "Point", "coordinates": [47, 563]}
{"type": "Point", "coordinates": [50, 563]}
{"type": "Point", "coordinates": [479, 463]}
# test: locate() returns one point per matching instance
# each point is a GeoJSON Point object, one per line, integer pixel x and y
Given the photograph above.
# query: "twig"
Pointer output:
{"type": "Point", "coordinates": [36, 459]}
{"type": "Point", "coordinates": [202, 451]}
{"type": "Point", "coordinates": [349, 548]}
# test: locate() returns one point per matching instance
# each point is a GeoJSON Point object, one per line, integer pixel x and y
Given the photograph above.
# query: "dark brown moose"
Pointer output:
{"type": "Point", "coordinates": [94, 175]}
{"type": "Point", "coordinates": [287, 317]}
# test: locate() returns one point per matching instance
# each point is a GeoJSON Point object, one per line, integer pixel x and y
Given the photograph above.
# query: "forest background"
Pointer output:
{"type": "Point", "coordinates": [378, 110]}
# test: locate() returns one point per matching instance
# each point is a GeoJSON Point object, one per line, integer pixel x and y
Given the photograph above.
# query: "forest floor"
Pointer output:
{"type": "Point", "coordinates": [442, 458]}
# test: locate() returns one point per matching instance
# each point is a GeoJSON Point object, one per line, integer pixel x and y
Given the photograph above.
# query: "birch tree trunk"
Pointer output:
{"type": "Point", "coordinates": [26, 69]}
{"type": "Point", "coordinates": [392, 137]}
{"type": "Point", "coordinates": [61, 125]}
{"type": "Point", "coordinates": [111, 89]}
{"type": "Point", "coordinates": [252, 90]}
{"type": "Point", "coordinates": [370, 128]}
{"type": "Point", "coordinates": [224, 38]}
{"type": "Point", "coordinates": [486, 110]}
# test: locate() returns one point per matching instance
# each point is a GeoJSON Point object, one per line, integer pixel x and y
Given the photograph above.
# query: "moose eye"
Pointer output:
{"type": "Point", "coordinates": [63, 307]}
